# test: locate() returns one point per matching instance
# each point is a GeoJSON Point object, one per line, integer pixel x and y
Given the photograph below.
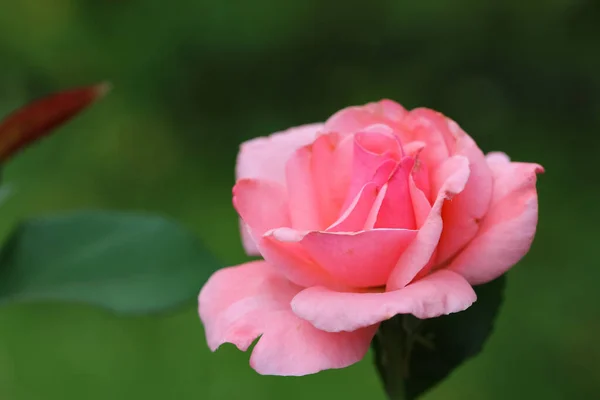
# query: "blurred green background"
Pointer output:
{"type": "Point", "coordinates": [194, 78]}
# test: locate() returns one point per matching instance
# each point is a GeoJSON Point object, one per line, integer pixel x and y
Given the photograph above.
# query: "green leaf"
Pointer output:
{"type": "Point", "coordinates": [128, 263]}
{"type": "Point", "coordinates": [414, 355]}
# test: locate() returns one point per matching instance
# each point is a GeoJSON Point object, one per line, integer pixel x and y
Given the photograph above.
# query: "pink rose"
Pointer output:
{"type": "Point", "coordinates": [379, 211]}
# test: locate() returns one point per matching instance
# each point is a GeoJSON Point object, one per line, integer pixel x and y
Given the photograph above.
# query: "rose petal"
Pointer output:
{"type": "Point", "coordinates": [262, 205]}
{"type": "Point", "coordinates": [420, 203]}
{"type": "Point", "coordinates": [239, 304]}
{"type": "Point", "coordinates": [508, 229]}
{"type": "Point", "coordinates": [362, 259]}
{"type": "Point", "coordinates": [356, 215]}
{"type": "Point", "coordinates": [396, 209]}
{"type": "Point", "coordinates": [331, 165]}
{"type": "Point", "coordinates": [361, 211]}
{"type": "Point", "coordinates": [418, 254]}
{"type": "Point", "coordinates": [440, 293]}
{"type": "Point", "coordinates": [420, 175]}
{"type": "Point", "coordinates": [372, 150]}
{"type": "Point", "coordinates": [265, 157]}
{"type": "Point", "coordinates": [248, 242]}
{"type": "Point", "coordinates": [423, 125]}
{"type": "Point", "coordinates": [462, 215]}
{"type": "Point", "coordinates": [444, 138]}
{"type": "Point", "coordinates": [355, 118]}
{"type": "Point", "coordinates": [280, 248]}
{"type": "Point", "coordinates": [302, 196]}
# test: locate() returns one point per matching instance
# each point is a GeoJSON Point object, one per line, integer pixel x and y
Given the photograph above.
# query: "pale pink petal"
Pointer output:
{"type": "Point", "coordinates": [440, 293]}
{"type": "Point", "coordinates": [265, 157]}
{"type": "Point", "coordinates": [239, 304]}
{"type": "Point", "coordinates": [418, 254]}
{"type": "Point", "coordinates": [248, 241]}
{"type": "Point", "coordinates": [412, 149]}
{"type": "Point", "coordinates": [362, 259]}
{"type": "Point", "coordinates": [380, 139]}
{"type": "Point", "coordinates": [508, 229]}
{"type": "Point", "coordinates": [496, 160]}
{"type": "Point", "coordinates": [390, 109]}
{"type": "Point", "coordinates": [355, 118]}
{"type": "Point", "coordinates": [396, 209]}
{"type": "Point", "coordinates": [262, 205]}
{"type": "Point", "coordinates": [280, 248]}
{"type": "Point", "coordinates": [302, 196]}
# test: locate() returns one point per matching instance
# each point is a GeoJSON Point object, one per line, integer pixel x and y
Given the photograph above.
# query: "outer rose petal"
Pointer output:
{"type": "Point", "coordinates": [239, 304]}
{"type": "Point", "coordinates": [355, 118]}
{"type": "Point", "coordinates": [361, 260]}
{"type": "Point", "coordinates": [262, 205]}
{"type": "Point", "coordinates": [279, 249]}
{"type": "Point", "coordinates": [462, 215]}
{"type": "Point", "coordinates": [442, 292]}
{"type": "Point", "coordinates": [418, 254]}
{"type": "Point", "coordinates": [444, 138]}
{"type": "Point", "coordinates": [265, 157]}
{"type": "Point", "coordinates": [508, 229]}
{"type": "Point", "coordinates": [248, 242]}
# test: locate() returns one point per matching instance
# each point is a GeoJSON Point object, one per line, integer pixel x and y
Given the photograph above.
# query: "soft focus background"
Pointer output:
{"type": "Point", "coordinates": [192, 79]}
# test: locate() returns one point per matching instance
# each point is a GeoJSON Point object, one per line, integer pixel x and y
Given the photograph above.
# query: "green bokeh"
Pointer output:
{"type": "Point", "coordinates": [194, 78]}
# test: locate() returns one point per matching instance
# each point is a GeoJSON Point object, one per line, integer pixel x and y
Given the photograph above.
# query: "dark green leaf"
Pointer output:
{"type": "Point", "coordinates": [414, 355]}
{"type": "Point", "coordinates": [128, 263]}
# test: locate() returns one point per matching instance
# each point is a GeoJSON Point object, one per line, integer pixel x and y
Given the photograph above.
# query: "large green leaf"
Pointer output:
{"type": "Point", "coordinates": [128, 263]}
{"type": "Point", "coordinates": [413, 355]}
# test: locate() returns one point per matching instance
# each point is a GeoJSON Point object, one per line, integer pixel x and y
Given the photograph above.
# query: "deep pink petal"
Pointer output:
{"type": "Point", "coordinates": [420, 203]}
{"type": "Point", "coordinates": [372, 151]}
{"type": "Point", "coordinates": [302, 196]}
{"type": "Point", "coordinates": [508, 229]}
{"type": "Point", "coordinates": [418, 254]}
{"type": "Point", "coordinates": [440, 293]}
{"type": "Point", "coordinates": [262, 205]}
{"type": "Point", "coordinates": [331, 164]}
{"type": "Point", "coordinates": [363, 209]}
{"type": "Point", "coordinates": [239, 304]}
{"type": "Point", "coordinates": [363, 259]}
{"type": "Point", "coordinates": [265, 157]}
{"type": "Point", "coordinates": [420, 175]}
{"type": "Point", "coordinates": [396, 209]}
{"type": "Point", "coordinates": [424, 125]}
{"type": "Point", "coordinates": [356, 215]}
{"type": "Point", "coordinates": [463, 214]}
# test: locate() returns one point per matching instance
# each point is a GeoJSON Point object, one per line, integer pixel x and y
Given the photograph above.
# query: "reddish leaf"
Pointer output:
{"type": "Point", "coordinates": [38, 119]}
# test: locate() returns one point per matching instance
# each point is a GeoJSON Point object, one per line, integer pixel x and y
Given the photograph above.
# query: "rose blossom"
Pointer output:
{"type": "Point", "coordinates": [379, 211]}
